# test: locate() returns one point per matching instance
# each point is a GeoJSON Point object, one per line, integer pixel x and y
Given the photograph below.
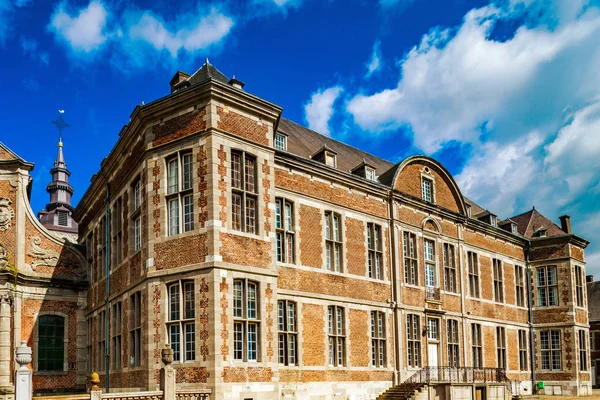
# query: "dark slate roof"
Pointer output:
{"type": "Point", "coordinates": [305, 142]}
{"type": "Point", "coordinates": [475, 209]}
{"type": "Point", "coordinates": [207, 71]}
{"type": "Point", "coordinates": [532, 221]}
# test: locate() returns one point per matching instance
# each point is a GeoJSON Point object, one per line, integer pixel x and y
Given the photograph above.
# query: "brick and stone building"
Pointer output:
{"type": "Point", "coordinates": [593, 295]}
{"type": "Point", "coordinates": [278, 262]}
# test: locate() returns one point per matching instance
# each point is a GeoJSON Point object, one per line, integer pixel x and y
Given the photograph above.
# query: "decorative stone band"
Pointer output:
{"type": "Point", "coordinates": [156, 395]}
{"type": "Point", "coordinates": [190, 394]}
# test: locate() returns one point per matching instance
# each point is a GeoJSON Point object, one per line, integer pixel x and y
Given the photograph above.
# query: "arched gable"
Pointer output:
{"type": "Point", "coordinates": [446, 193]}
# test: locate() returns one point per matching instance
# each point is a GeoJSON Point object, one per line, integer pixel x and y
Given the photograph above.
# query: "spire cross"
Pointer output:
{"type": "Point", "coordinates": [60, 125]}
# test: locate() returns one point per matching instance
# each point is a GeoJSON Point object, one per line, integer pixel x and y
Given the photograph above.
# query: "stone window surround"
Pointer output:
{"type": "Point", "coordinates": [416, 253]}
{"type": "Point", "coordinates": [502, 281]}
{"type": "Point", "coordinates": [426, 174]}
{"type": "Point", "coordinates": [436, 254]}
{"type": "Point", "coordinates": [36, 341]}
{"type": "Point", "coordinates": [468, 292]}
{"type": "Point", "coordinates": [381, 251]}
{"type": "Point", "coordinates": [294, 229]}
{"type": "Point", "coordinates": [342, 235]}
{"type": "Point", "coordinates": [181, 192]}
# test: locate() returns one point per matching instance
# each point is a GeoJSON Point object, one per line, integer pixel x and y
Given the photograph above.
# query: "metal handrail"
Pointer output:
{"type": "Point", "coordinates": [435, 375]}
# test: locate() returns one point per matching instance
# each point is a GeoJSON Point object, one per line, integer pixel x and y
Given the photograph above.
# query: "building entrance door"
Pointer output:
{"type": "Point", "coordinates": [432, 360]}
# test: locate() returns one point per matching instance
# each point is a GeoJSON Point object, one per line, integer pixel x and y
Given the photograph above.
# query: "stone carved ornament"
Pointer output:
{"type": "Point", "coordinates": [6, 213]}
{"type": "Point", "coordinates": [3, 258]}
{"type": "Point", "coordinates": [42, 256]}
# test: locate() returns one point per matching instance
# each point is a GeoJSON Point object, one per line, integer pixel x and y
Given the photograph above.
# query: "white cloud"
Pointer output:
{"type": "Point", "coordinates": [375, 62]}
{"type": "Point", "coordinates": [84, 30]}
{"type": "Point", "coordinates": [137, 37]}
{"type": "Point", "coordinates": [319, 109]}
{"type": "Point", "coordinates": [202, 32]}
{"type": "Point", "coordinates": [31, 48]}
{"type": "Point", "coordinates": [454, 82]}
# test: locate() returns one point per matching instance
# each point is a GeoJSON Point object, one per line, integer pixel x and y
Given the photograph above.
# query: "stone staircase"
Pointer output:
{"type": "Point", "coordinates": [404, 391]}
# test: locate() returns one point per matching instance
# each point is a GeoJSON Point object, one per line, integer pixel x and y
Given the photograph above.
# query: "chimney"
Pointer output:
{"type": "Point", "coordinates": [565, 223]}
{"type": "Point", "coordinates": [589, 278]}
{"type": "Point", "coordinates": [236, 83]}
{"type": "Point", "coordinates": [177, 79]}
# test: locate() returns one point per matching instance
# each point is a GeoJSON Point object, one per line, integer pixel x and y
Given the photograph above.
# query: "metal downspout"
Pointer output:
{"type": "Point", "coordinates": [107, 277]}
{"type": "Point", "coordinates": [394, 303]}
{"type": "Point", "coordinates": [531, 334]}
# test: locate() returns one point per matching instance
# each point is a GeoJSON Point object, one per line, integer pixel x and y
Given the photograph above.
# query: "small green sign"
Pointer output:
{"type": "Point", "coordinates": [540, 385]}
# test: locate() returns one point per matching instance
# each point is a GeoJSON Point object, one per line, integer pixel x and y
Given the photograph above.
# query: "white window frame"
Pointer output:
{"type": "Point", "coordinates": [179, 196]}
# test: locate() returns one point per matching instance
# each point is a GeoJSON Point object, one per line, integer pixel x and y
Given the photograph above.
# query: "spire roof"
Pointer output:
{"type": "Point", "coordinates": [207, 72]}
{"type": "Point", "coordinates": [532, 221]}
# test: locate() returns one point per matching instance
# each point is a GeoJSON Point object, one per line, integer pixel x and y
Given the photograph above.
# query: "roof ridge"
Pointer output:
{"type": "Point", "coordinates": [336, 140]}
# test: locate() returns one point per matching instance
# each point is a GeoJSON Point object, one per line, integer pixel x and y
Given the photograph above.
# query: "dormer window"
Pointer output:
{"type": "Point", "coordinates": [542, 233]}
{"type": "Point", "coordinates": [427, 190]}
{"type": "Point", "coordinates": [493, 221]}
{"type": "Point", "coordinates": [330, 159]}
{"type": "Point", "coordinates": [513, 228]}
{"type": "Point", "coordinates": [370, 174]}
{"type": "Point", "coordinates": [281, 142]}
{"type": "Point", "coordinates": [468, 210]}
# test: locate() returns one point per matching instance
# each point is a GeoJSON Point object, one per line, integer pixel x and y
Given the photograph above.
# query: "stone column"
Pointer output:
{"type": "Point", "coordinates": [23, 377]}
{"type": "Point", "coordinates": [5, 353]}
{"type": "Point", "coordinates": [167, 374]}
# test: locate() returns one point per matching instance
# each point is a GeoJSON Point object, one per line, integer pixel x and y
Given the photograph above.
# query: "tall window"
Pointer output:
{"type": "Point", "coordinates": [136, 191]}
{"type": "Point", "coordinates": [333, 241]}
{"type": "Point", "coordinates": [245, 320]}
{"type": "Point", "coordinates": [243, 192]}
{"type": "Point", "coordinates": [523, 362]}
{"type": "Point", "coordinates": [89, 255]}
{"type": "Point", "coordinates": [288, 332]}
{"type": "Point", "coordinates": [51, 343]}
{"type": "Point", "coordinates": [117, 242]}
{"type": "Point", "coordinates": [579, 279]}
{"type": "Point", "coordinates": [377, 339]}
{"type": "Point", "coordinates": [101, 339]}
{"type": "Point", "coordinates": [453, 343]}
{"type": "Point", "coordinates": [476, 346]}
{"type": "Point", "coordinates": [501, 346]}
{"type": "Point", "coordinates": [429, 256]}
{"type": "Point", "coordinates": [551, 350]}
{"type": "Point", "coordinates": [411, 270]}
{"type": "Point", "coordinates": [473, 274]}
{"type": "Point", "coordinates": [135, 329]}
{"type": "Point", "coordinates": [427, 190]}
{"type": "Point", "coordinates": [116, 331]}
{"type": "Point", "coordinates": [336, 335]}
{"type": "Point", "coordinates": [375, 251]}
{"type": "Point", "coordinates": [583, 354]}
{"type": "Point", "coordinates": [498, 281]}
{"type": "Point", "coordinates": [520, 285]}
{"type": "Point", "coordinates": [104, 262]}
{"type": "Point", "coordinates": [449, 269]}
{"type": "Point", "coordinates": [180, 196]}
{"type": "Point", "coordinates": [547, 286]}
{"type": "Point", "coordinates": [180, 325]}
{"type": "Point", "coordinates": [413, 337]}
{"type": "Point", "coordinates": [284, 223]}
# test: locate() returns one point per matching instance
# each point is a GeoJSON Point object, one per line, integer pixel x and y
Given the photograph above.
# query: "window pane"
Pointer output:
{"type": "Point", "coordinates": [250, 174]}
{"type": "Point", "coordinates": [174, 302]}
{"type": "Point", "coordinates": [237, 299]}
{"type": "Point", "coordinates": [236, 211]}
{"type": "Point", "coordinates": [278, 216]}
{"type": "Point", "coordinates": [188, 213]}
{"type": "Point", "coordinates": [291, 317]}
{"type": "Point", "coordinates": [238, 341]}
{"type": "Point", "coordinates": [51, 330]}
{"type": "Point", "coordinates": [252, 341]}
{"type": "Point", "coordinates": [190, 343]}
{"type": "Point", "coordinates": [172, 176]}
{"type": "Point", "coordinates": [189, 300]}
{"type": "Point", "coordinates": [174, 334]}
{"type": "Point", "coordinates": [173, 216]}
{"type": "Point", "coordinates": [251, 300]}
{"type": "Point", "coordinates": [288, 217]}
{"type": "Point", "coordinates": [187, 171]}
{"type": "Point", "coordinates": [250, 215]}
{"type": "Point", "coordinates": [236, 170]}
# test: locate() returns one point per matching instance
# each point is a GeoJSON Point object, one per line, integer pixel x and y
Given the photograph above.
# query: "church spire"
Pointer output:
{"type": "Point", "coordinates": [58, 214]}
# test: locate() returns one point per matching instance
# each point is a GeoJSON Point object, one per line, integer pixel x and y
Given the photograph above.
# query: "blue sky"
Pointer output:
{"type": "Point", "coordinates": [506, 94]}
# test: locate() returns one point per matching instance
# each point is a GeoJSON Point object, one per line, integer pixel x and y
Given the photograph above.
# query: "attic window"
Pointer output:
{"type": "Point", "coordinates": [280, 142]}
{"type": "Point", "coordinates": [542, 233]}
{"type": "Point", "coordinates": [330, 159]}
{"type": "Point", "coordinates": [370, 173]}
{"type": "Point", "coordinates": [493, 220]}
{"type": "Point", "coordinates": [513, 228]}
{"type": "Point", "coordinates": [427, 190]}
{"type": "Point", "coordinates": [468, 210]}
